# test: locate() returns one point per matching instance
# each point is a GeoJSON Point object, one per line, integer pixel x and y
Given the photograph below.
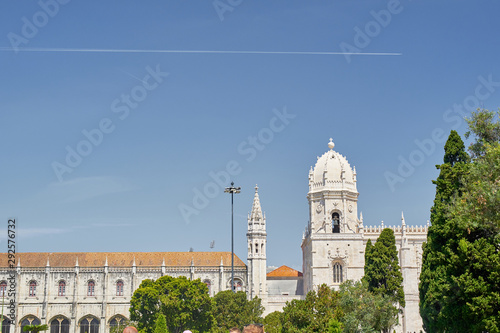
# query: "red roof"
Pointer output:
{"type": "Point", "coordinates": [284, 271]}
{"type": "Point", "coordinates": [122, 259]}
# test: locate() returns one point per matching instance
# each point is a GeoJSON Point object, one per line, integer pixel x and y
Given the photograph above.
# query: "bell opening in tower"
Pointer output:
{"type": "Point", "coordinates": [335, 223]}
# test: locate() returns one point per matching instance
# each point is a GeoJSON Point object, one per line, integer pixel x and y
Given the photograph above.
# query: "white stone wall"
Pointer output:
{"type": "Point", "coordinates": [321, 250]}
{"type": "Point", "coordinates": [76, 304]}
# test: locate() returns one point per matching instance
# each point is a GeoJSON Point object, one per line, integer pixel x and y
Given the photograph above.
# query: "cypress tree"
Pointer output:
{"type": "Point", "coordinates": [434, 282]}
{"type": "Point", "coordinates": [382, 271]}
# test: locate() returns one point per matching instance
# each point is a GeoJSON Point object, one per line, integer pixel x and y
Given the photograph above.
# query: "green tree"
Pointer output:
{"type": "Point", "coordinates": [368, 253]}
{"type": "Point", "coordinates": [366, 311]}
{"type": "Point", "coordinates": [235, 310]}
{"type": "Point", "coordinates": [161, 324]}
{"type": "Point", "coordinates": [335, 326]}
{"type": "Point", "coordinates": [184, 303]}
{"type": "Point", "coordinates": [473, 303]}
{"type": "Point", "coordinates": [460, 279]}
{"type": "Point", "coordinates": [145, 305]}
{"type": "Point", "coordinates": [273, 322]}
{"type": "Point", "coordinates": [35, 328]}
{"type": "Point", "coordinates": [486, 130]}
{"type": "Point", "coordinates": [434, 283]}
{"type": "Point", "coordinates": [312, 314]}
{"type": "Point", "coordinates": [382, 272]}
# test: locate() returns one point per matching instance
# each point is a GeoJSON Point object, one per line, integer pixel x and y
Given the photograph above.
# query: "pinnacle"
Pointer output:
{"type": "Point", "coordinates": [256, 214]}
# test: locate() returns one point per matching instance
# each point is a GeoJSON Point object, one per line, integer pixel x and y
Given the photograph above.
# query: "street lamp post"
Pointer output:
{"type": "Point", "coordinates": [232, 190]}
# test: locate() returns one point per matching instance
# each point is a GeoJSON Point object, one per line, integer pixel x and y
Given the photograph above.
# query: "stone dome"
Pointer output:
{"type": "Point", "coordinates": [332, 171]}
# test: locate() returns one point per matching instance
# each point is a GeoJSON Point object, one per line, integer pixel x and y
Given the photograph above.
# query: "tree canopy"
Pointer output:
{"type": "Point", "coordinates": [235, 310]}
{"type": "Point", "coordinates": [365, 311]}
{"type": "Point", "coordinates": [312, 314]}
{"type": "Point", "coordinates": [184, 303]}
{"type": "Point", "coordinates": [161, 324]}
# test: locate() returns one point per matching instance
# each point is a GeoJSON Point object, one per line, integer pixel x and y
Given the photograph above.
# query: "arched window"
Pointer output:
{"type": "Point", "coordinates": [335, 222]}
{"type": "Point", "coordinates": [238, 285]}
{"type": "Point", "coordinates": [119, 288]}
{"type": "Point", "coordinates": [29, 321]}
{"type": "Point", "coordinates": [89, 325]}
{"type": "Point", "coordinates": [337, 273]}
{"type": "Point", "coordinates": [61, 291]}
{"type": "Point", "coordinates": [6, 325]}
{"type": "Point", "coordinates": [3, 288]}
{"type": "Point", "coordinates": [209, 285]}
{"type": "Point", "coordinates": [256, 248]}
{"type": "Point", "coordinates": [32, 289]}
{"type": "Point", "coordinates": [59, 325]}
{"type": "Point", "coordinates": [117, 324]}
{"type": "Point", "coordinates": [91, 289]}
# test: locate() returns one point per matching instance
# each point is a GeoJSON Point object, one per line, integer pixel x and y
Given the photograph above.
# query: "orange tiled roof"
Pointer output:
{"type": "Point", "coordinates": [121, 259]}
{"type": "Point", "coordinates": [284, 271]}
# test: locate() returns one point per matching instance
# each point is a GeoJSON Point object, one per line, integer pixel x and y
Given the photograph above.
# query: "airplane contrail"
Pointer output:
{"type": "Point", "coordinates": [41, 49]}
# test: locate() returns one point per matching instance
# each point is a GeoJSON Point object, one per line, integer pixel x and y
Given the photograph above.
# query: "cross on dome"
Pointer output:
{"type": "Point", "coordinates": [331, 144]}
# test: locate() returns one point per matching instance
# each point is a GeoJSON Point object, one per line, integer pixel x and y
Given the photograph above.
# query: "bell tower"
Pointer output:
{"type": "Point", "coordinates": [333, 196]}
{"type": "Point", "coordinates": [334, 232]}
{"type": "Point", "coordinates": [257, 239]}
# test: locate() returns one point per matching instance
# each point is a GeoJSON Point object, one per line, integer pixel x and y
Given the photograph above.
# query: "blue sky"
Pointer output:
{"type": "Point", "coordinates": [158, 137]}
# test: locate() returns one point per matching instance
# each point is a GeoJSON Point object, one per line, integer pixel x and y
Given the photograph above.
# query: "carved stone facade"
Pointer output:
{"type": "Point", "coordinates": [333, 244]}
{"type": "Point", "coordinates": [90, 292]}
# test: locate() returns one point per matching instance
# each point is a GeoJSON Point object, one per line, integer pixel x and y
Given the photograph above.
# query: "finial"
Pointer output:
{"type": "Point", "coordinates": [402, 218]}
{"type": "Point", "coordinates": [428, 223]}
{"type": "Point", "coordinates": [163, 263]}
{"type": "Point", "coordinates": [48, 263]}
{"type": "Point", "coordinates": [76, 263]}
{"type": "Point", "coordinates": [256, 188]}
{"type": "Point", "coordinates": [106, 263]}
{"type": "Point", "coordinates": [331, 144]}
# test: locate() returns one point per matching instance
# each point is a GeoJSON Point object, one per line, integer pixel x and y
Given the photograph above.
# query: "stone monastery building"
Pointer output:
{"type": "Point", "coordinates": [91, 292]}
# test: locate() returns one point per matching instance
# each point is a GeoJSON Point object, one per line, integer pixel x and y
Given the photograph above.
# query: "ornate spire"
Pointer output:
{"type": "Point", "coordinates": [256, 214]}
{"type": "Point", "coordinates": [403, 223]}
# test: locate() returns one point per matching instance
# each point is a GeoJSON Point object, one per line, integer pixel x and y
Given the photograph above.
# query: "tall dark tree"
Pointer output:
{"type": "Point", "coordinates": [382, 272]}
{"type": "Point", "coordinates": [474, 253]}
{"type": "Point", "coordinates": [433, 278]}
{"type": "Point", "coordinates": [460, 280]}
{"type": "Point", "coordinates": [368, 252]}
